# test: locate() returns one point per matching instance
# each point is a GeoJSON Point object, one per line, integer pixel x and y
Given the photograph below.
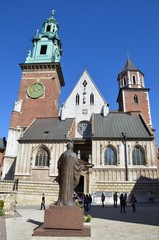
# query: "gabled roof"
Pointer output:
{"type": "Point", "coordinates": [85, 73]}
{"type": "Point", "coordinates": [110, 127]}
{"type": "Point", "coordinates": [115, 123]}
{"type": "Point", "coordinates": [80, 99]}
{"type": "Point", "coordinates": [47, 129]}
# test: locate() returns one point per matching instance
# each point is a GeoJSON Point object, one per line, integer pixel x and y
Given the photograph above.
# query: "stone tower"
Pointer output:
{"type": "Point", "coordinates": [133, 96]}
{"type": "Point", "coordinates": [40, 88]}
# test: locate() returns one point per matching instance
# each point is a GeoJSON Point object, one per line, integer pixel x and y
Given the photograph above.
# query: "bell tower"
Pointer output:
{"type": "Point", "coordinates": [133, 96]}
{"type": "Point", "coordinates": [40, 87]}
{"type": "Point", "coordinates": [41, 78]}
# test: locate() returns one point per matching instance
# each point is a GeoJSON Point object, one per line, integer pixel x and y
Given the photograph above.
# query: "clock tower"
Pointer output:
{"type": "Point", "coordinates": [40, 87]}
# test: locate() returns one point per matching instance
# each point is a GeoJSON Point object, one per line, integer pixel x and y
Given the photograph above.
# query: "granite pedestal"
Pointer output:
{"type": "Point", "coordinates": [63, 221]}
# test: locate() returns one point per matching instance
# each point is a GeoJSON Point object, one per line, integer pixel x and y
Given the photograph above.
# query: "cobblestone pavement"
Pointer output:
{"type": "Point", "coordinates": [107, 223]}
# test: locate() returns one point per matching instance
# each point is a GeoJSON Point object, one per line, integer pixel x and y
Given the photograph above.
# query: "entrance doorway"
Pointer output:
{"type": "Point", "coordinates": [80, 187]}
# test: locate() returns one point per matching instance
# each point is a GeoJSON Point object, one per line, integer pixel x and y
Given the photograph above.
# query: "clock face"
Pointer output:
{"type": "Point", "coordinates": [35, 90]}
{"type": "Point", "coordinates": [84, 128]}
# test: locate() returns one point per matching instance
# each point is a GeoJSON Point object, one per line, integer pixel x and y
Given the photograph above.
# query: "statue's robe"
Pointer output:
{"type": "Point", "coordinates": [69, 171]}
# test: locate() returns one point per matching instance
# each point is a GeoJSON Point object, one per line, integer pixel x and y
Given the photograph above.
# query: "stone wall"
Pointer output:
{"type": "Point", "coordinates": [141, 189]}
{"type": "Point", "coordinates": [30, 193]}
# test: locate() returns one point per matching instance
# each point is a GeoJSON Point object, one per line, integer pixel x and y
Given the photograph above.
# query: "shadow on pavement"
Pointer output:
{"type": "Point", "coordinates": [147, 214]}
{"type": "Point", "coordinates": [35, 222]}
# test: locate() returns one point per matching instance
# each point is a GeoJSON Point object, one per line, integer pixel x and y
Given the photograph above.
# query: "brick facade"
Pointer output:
{"type": "Point", "coordinates": [44, 106]}
{"type": "Point", "coordinates": [128, 104]}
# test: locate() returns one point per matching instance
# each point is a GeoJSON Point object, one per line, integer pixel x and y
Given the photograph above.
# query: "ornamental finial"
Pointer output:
{"type": "Point", "coordinates": [52, 13]}
{"type": "Point", "coordinates": [128, 55]}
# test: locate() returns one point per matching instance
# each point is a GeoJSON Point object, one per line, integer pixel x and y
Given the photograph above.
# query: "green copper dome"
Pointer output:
{"type": "Point", "coordinates": [47, 46]}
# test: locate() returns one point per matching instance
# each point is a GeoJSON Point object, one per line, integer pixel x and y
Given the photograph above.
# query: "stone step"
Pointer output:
{"type": "Point", "coordinates": [29, 187]}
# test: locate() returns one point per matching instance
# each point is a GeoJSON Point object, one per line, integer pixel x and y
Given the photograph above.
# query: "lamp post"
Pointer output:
{"type": "Point", "coordinates": [125, 155]}
{"type": "Point", "coordinates": [100, 153]}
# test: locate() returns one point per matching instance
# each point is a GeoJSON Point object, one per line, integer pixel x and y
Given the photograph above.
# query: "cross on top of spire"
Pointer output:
{"type": "Point", "coordinates": [52, 13]}
{"type": "Point", "coordinates": [128, 56]}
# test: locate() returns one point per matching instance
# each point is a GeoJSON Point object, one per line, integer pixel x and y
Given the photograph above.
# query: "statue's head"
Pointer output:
{"type": "Point", "coordinates": [70, 146]}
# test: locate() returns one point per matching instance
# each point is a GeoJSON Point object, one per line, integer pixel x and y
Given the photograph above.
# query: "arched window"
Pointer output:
{"type": "Point", "coordinates": [124, 81]}
{"type": "Point", "coordinates": [134, 80]}
{"type": "Point", "coordinates": [42, 158]}
{"type": "Point", "coordinates": [138, 156]}
{"type": "Point", "coordinates": [110, 156]}
{"type": "Point", "coordinates": [77, 99]}
{"type": "Point", "coordinates": [92, 99]}
{"type": "Point", "coordinates": [135, 98]}
{"type": "Point", "coordinates": [48, 28]}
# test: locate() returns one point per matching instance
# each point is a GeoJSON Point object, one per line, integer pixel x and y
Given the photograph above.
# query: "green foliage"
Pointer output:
{"type": "Point", "coordinates": [1, 204]}
{"type": "Point", "coordinates": [1, 213]}
{"type": "Point", "coordinates": [87, 218]}
{"type": "Point", "coordinates": [81, 205]}
{"type": "Point", "coordinates": [1, 207]}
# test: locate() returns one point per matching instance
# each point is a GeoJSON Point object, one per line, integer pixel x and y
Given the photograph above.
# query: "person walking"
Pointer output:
{"type": "Point", "coordinates": [115, 198]}
{"type": "Point", "coordinates": [122, 203]}
{"type": "Point", "coordinates": [15, 186]}
{"type": "Point", "coordinates": [125, 197]}
{"type": "Point", "coordinates": [133, 202]}
{"type": "Point", "coordinates": [151, 197]}
{"type": "Point", "coordinates": [103, 199]}
{"type": "Point", "coordinates": [90, 201]}
{"type": "Point", "coordinates": [86, 203]}
{"type": "Point", "coordinates": [43, 202]}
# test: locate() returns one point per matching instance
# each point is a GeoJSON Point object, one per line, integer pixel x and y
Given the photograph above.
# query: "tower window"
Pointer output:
{"type": "Point", "coordinates": [134, 80]}
{"type": "Point", "coordinates": [135, 98]}
{"type": "Point", "coordinates": [92, 99]}
{"type": "Point", "coordinates": [77, 99]}
{"type": "Point", "coordinates": [124, 81]}
{"type": "Point", "coordinates": [48, 28]}
{"type": "Point", "coordinates": [43, 49]}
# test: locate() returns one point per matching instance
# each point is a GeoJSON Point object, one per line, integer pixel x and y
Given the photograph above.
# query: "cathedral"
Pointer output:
{"type": "Point", "coordinates": [116, 148]}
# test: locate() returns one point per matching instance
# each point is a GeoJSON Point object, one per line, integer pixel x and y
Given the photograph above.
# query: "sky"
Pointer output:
{"type": "Point", "coordinates": [96, 35]}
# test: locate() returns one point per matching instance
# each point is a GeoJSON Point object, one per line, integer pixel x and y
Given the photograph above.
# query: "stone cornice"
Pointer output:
{"type": "Point", "coordinates": [44, 67]}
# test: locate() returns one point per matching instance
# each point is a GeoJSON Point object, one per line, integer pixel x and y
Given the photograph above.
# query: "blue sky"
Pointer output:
{"type": "Point", "coordinates": [96, 34]}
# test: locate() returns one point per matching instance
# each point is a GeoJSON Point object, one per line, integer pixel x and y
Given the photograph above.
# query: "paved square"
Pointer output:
{"type": "Point", "coordinates": [107, 223]}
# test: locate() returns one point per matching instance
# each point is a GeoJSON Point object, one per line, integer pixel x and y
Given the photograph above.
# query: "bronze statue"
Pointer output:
{"type": "Point", "coordinates": [69, 171]}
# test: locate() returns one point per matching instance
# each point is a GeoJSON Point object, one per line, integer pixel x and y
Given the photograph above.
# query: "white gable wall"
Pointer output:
{"type": "Point", "coordinates": [84, 110]}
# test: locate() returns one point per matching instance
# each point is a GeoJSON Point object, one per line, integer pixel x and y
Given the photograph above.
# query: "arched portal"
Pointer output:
{"type": "Point", "coordinates": [80, 187]}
